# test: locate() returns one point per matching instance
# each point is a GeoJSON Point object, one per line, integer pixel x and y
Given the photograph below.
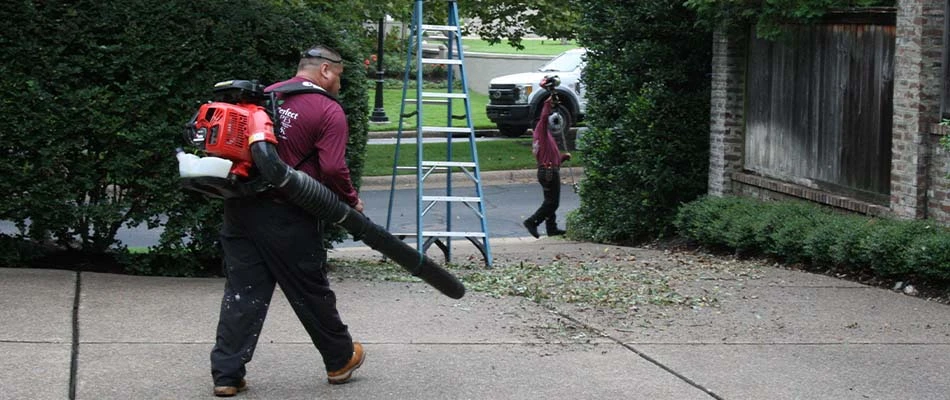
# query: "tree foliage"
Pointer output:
{"type": "Point", "coordinates": [492, 20]}
{"type": "Point", "coordinates": [646, 150]}
{"type": "Point", "coordinates": [96, 93]}
{"type": "Point", "coordinates": [768, 16]}
{"type": "Point", "coordinates": [496, 20]}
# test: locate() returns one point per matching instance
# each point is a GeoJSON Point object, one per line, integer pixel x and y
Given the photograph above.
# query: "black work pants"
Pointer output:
{"type": "Point", "coordinates": [550, 180]}
{"type": "Point", "coordinates": [267, 243]}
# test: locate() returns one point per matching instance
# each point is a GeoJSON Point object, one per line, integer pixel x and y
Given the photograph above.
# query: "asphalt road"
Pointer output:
{"type": "Point", "coordinates": [506, 206]}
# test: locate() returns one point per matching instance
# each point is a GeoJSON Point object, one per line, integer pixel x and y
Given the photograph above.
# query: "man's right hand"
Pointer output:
{"type": "Point", "coordinates": [359, 205]}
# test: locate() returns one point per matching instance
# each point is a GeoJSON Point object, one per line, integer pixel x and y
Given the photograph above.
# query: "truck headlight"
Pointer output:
{"type": "Point", "coordinates": [524, 91]}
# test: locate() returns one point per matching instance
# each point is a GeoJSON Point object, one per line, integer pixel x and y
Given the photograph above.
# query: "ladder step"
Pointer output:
{"type": "Point", "coordinates": [462, 164]}
{"type": "Point", "coordinates": [440, 164]}
{"type": "Point", "coordinates": [443, 28]}
{"type": "Point", "coordinates": [437, 101]}
{"type": "Point", "coordinates": [446, 61]}
{"type": "Point", "coordinates": [464, 199]}
{"type": "Point", "coordinates": [440, 95]}
{"type": "Point", "coordinates": [445, 129]}
{"type": "Point", "coordinates": [442, 234]}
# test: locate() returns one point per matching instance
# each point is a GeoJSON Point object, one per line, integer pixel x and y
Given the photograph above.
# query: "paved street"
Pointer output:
{"type": "Point", "coordinates": [507, 206]}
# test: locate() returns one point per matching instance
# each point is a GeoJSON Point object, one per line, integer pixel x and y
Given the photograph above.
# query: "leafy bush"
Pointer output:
{"type": "Point", "coordinates": [749, 226]}
{"type": "Point", "coordinates": [828, 244]}
{"type": "Point", "coordinates": [798, 231]}
{"type": "Point", "coordinates": [95, 94]}
{"type": "Point", "coordinates": [929, 254]}
{"type": "Point", "coordinates": [646, 151]}
{"type": "Point", "coordinates": [883, 246]}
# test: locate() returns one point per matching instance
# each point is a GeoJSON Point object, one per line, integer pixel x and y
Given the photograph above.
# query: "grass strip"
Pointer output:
{"type": "Point", "coordinates": [493, 155]}
{"type": "Point", "coordinates": [531, 46]}
{"type": "Point", "coordinates": [432, 114]}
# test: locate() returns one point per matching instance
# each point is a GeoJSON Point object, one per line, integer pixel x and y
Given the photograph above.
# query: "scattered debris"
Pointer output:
{"type": "Point", "coordinates": [910, 290]}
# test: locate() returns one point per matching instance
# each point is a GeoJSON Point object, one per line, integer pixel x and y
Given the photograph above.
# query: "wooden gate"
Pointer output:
{"type": "Point", "coordinates": [820, 105]}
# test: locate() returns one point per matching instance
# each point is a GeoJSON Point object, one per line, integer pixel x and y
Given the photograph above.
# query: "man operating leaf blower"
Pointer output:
{"type": "Point", "coordinates": [279, 189]}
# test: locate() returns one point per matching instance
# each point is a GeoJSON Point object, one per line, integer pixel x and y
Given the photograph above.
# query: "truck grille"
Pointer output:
{"type": "Point", "coordinates": [503, 94]}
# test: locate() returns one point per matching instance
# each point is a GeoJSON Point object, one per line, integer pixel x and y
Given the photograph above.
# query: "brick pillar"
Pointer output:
{"type": "Point", "coordinates": [917, 87]}
{"type": "Point", "coordinates": [727, 111]}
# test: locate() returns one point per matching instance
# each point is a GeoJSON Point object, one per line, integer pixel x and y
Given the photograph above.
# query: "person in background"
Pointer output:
{"type": "Point", "coordinates": [549, 163]}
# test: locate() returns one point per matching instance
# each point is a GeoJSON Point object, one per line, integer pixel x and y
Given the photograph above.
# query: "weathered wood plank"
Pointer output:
{"type": "Point", "coordinates": [820, 106]}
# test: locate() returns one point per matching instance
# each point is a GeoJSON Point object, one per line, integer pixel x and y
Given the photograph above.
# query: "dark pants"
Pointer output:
{"type": "Point", "coordinates": [550, 180]}
{"type": "Point", "coordinates": [267, 243]}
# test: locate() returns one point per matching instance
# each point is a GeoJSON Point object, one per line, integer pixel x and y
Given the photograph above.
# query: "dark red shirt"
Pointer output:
{"type": "Point", "coordinates": [543, 146]}
{"type": "Point", "coordinates": [312, 121]}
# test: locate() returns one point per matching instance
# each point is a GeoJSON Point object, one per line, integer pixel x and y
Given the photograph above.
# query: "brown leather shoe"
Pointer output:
{"type": "Point", "coordinates": [228, 391]}
{"type": "Point", "coordinates": [343, 374]}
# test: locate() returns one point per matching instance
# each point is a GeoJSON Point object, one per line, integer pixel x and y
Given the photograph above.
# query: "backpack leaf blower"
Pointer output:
{"type": "Point", "coordinates": [239, 126]}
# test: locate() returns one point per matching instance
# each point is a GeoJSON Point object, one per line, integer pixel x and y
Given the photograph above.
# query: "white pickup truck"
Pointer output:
{"type": "Point", "coordinates": [515, 100]}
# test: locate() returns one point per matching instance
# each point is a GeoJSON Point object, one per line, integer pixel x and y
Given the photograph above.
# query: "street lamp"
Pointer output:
{"type": "Point", "coordinates": [379, 114]}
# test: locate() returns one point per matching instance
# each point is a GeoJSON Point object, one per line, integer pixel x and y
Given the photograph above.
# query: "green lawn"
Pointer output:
{"type": "Point", "coordinates": [531, 46]}
{"type": "Point", "coordinates": [493, 155]}
{"type": "Point", "coordinates": [432, 114]}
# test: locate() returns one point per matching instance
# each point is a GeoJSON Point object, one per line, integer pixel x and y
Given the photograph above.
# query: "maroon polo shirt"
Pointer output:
{"type": "Point", "coordinates": [314, 121]}
{"type": "Point", "coordinates": [544, 147]}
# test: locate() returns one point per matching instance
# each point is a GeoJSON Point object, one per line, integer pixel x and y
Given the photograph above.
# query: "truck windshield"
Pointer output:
{"type": "Point", "coordinates": [565, 62]}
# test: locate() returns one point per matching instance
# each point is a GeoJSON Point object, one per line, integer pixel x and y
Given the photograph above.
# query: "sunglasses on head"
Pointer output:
{"type": "Point", "coordinates": [319, 53]}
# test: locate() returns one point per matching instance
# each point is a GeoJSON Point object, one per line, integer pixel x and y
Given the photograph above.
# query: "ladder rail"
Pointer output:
{"type": "Point", "coordinates": [417, 36]}
{"type": "Point", "coordinates": [402, 111]}
{"type": "Point", "coordinates": [448, 122]}
{"type": "Point", "coordinates": [454, 20]}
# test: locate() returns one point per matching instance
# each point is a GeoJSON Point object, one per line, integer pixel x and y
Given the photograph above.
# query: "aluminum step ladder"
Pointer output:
{"type": "Point", "coordinates": [431, 201]}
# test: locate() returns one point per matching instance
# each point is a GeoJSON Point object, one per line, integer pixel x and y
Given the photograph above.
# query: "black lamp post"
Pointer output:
{"type": "Point", "coordinates": [379, 114]}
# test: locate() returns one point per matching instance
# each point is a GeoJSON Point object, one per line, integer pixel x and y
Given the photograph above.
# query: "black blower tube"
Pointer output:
{"type": "Point", "coordinates": [311, 195]}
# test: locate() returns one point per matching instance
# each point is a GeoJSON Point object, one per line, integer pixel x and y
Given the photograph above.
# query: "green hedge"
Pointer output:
{"type": "Point", "coordinates": [800, 232]}
{"type": "Point", "coordinates": [646, 150]}
{"type": "Point", "coordinates": [95, 94]}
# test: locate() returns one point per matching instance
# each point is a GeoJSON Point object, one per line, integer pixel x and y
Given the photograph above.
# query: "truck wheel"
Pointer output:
{"type": "Point", "coordinates": [511, 131]}
{"type": "Point", "coordinates": [567, 135]}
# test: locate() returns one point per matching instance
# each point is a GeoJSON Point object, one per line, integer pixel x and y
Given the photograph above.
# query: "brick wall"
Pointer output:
{"type": "Point", "coordinates": [726, 126]}
{"type": "Point", "coordinates": [918, 67]}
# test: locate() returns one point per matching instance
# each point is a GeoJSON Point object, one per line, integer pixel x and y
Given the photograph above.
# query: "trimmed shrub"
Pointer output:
{"type": "Point", "coordinates": [789, 227]}
{"type": "Point", "coordinates": [845, 250]}
{"type": "Point", "coordinates": [928, 255]}
{"type": "Point", "coordinates": [797, 231]}
{"type": "Point", "coordinates": [884, 243]}
{"type": "Point", "coordinates": [646, 150]}
{"type": "Point", "coordinates": [820, 245]}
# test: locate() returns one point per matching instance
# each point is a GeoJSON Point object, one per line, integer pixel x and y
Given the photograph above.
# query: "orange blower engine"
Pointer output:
{"type": "Point", "coordinates": [227, 126]}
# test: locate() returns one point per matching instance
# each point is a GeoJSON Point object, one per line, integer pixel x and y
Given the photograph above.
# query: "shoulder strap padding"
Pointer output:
{"type": "Point", "coordinates": [301, 88]}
